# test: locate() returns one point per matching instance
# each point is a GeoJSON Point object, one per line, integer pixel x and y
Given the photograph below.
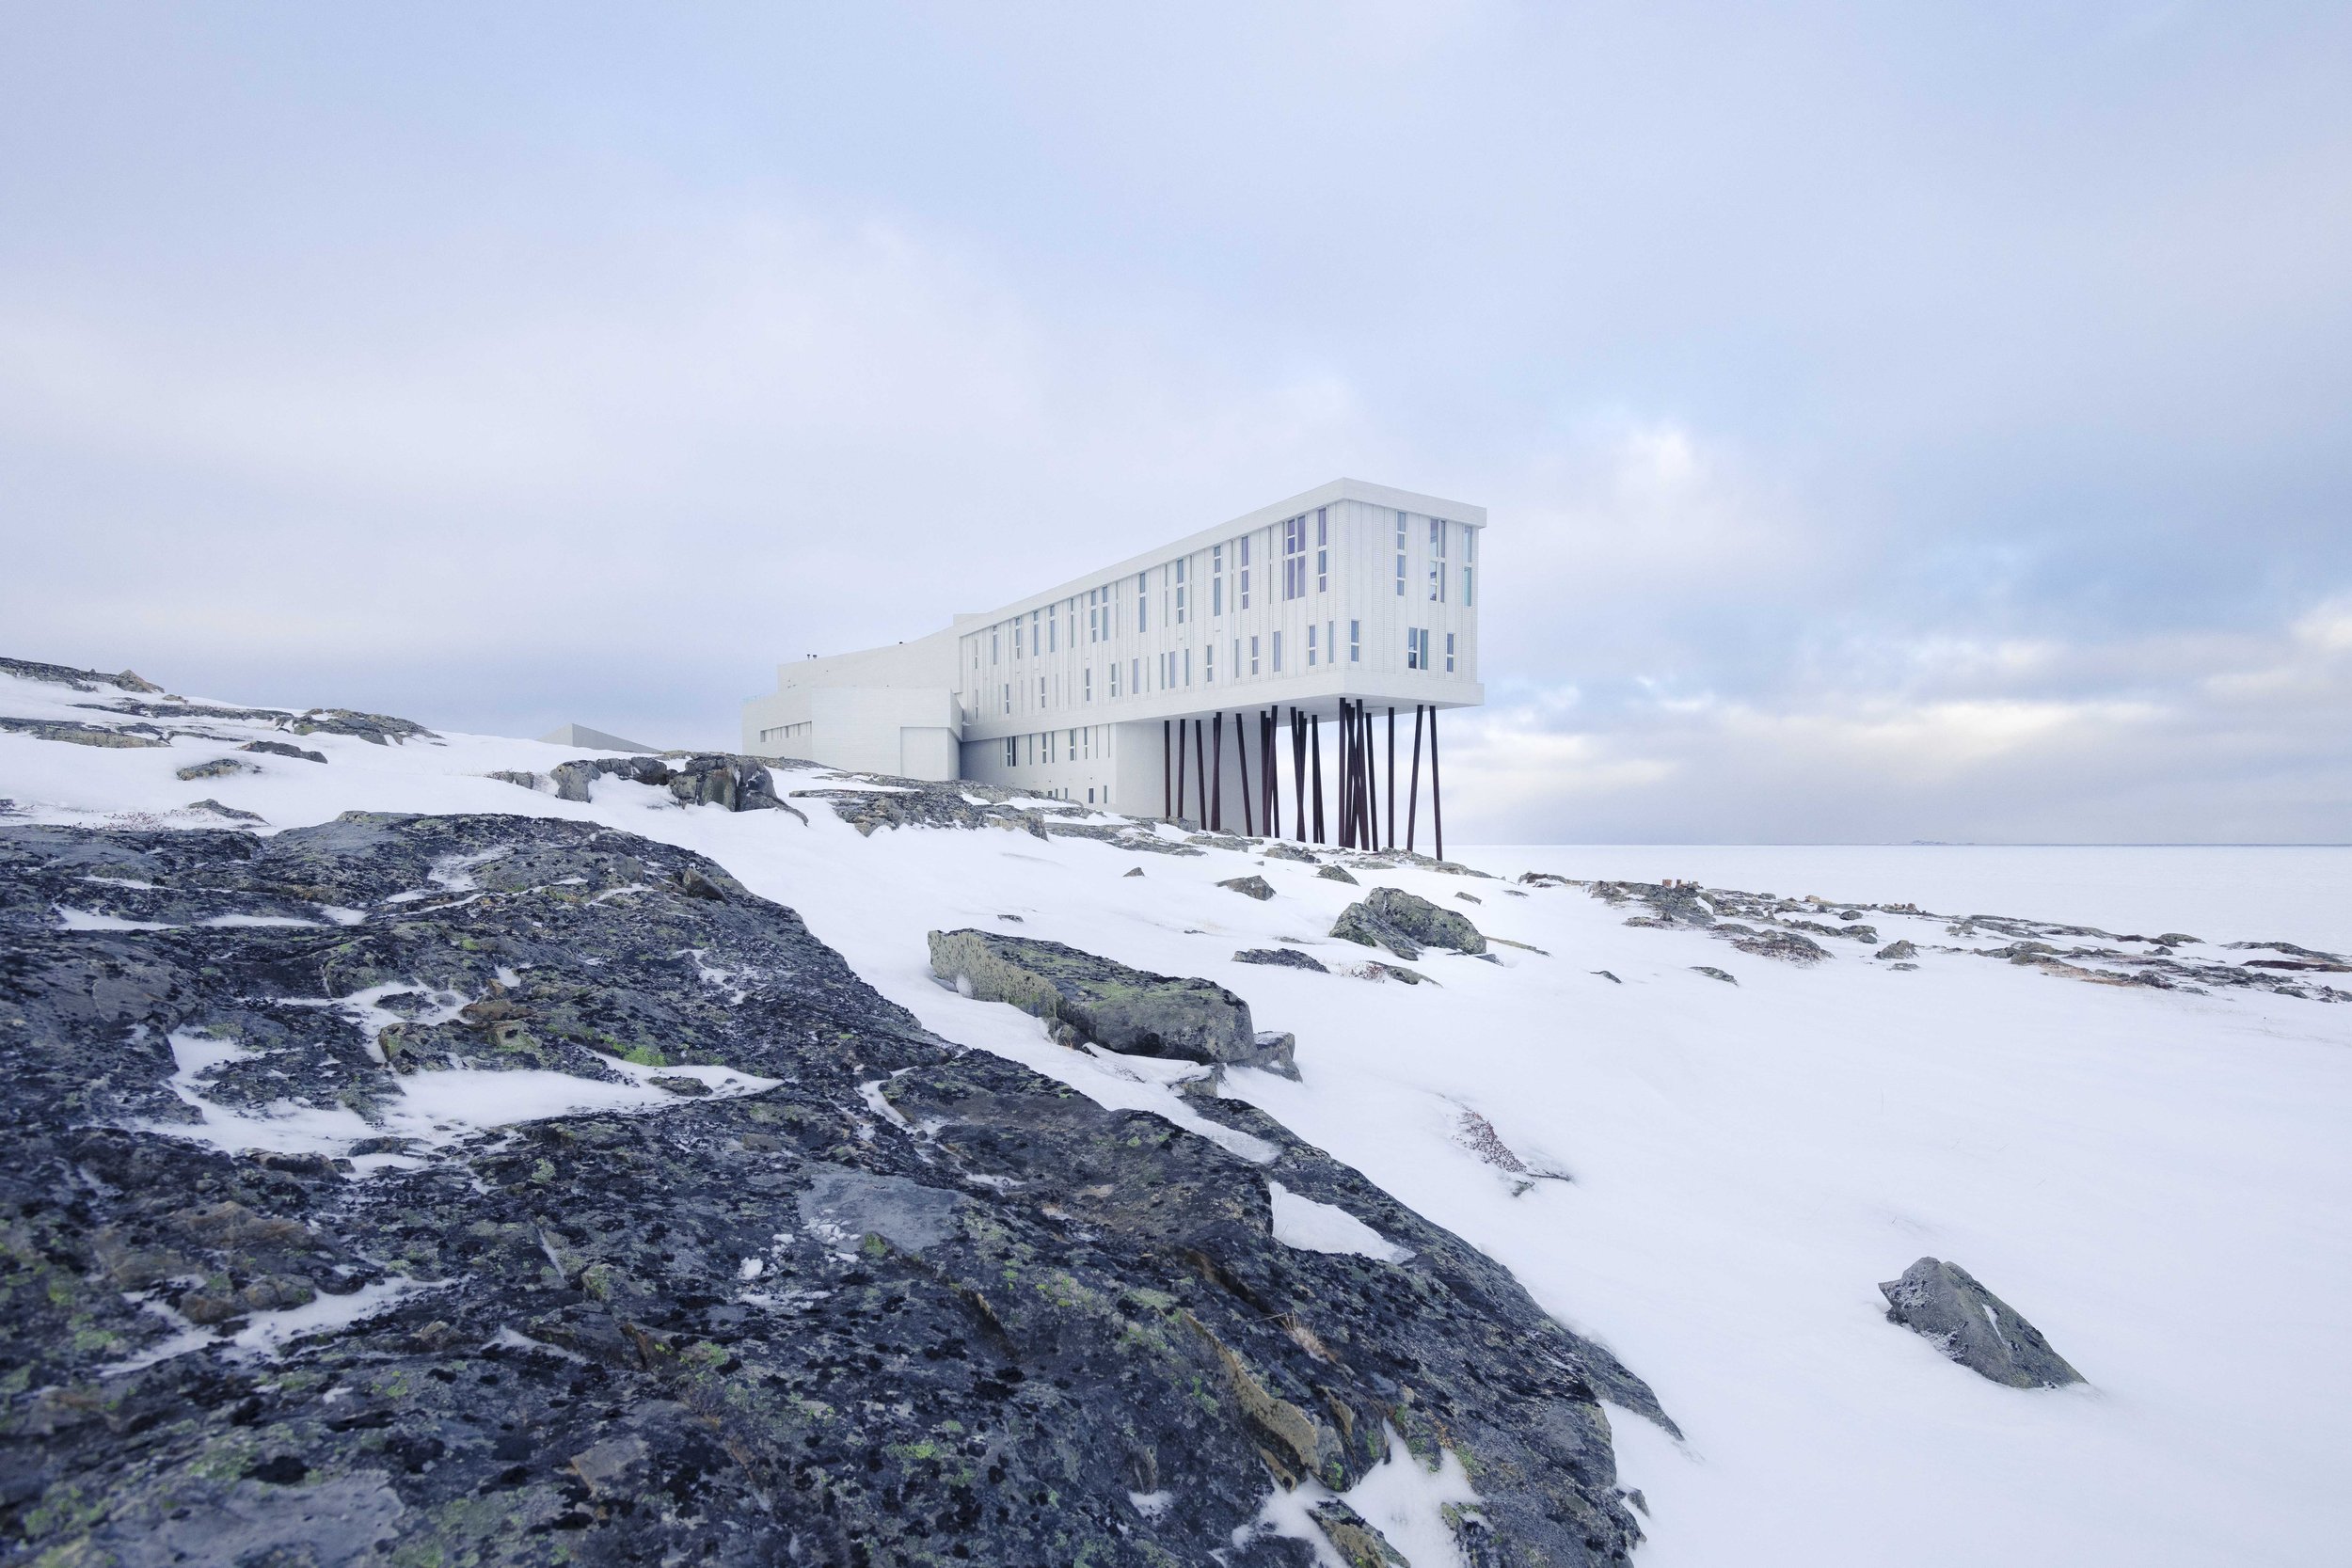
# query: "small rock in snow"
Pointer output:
{"type": "Point", "coordinates": [1944, 1304]}
{"type": "Point", "coordinates": [1136, 872]}
{"type": "Point", "coordinates": [1337, 874]}
{"type": "Point", "coordinates": [1250, 887]}
{"type": "Point", "coordinates": [1897, 950]}
{"type": "Point", "coordinates": [1710, 972]}
{"type": "Point", "coordinates": [1279, 956]}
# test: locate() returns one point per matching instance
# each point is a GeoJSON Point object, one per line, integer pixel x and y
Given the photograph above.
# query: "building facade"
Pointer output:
{"type": "Point", "coordinates": [1243, 652]}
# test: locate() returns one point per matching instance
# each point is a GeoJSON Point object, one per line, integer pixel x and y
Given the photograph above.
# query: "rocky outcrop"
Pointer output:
{"type": "Point", "coordinates": [1944, 1304]}
{"type": "Point", "coordinates": [1337, 874]}
{"type": "Point", "coordinates": [80, 680]}
{"type": "Point", "coordinates": [85, 735]}
{"type": "Point", "coordinates": [1085, 1000]}
{"type": "Point", "coordinates": [1403, 923]}
{"type": "Point", "coordinates": [715, 779]}
{"type": "Point", "coordinates": [870, 1298]}
{"type": "Point", "coordinates": [1279, 957]}
{"type": "Point", "coordinates": [1250, 887]}
{"type": "Point", "coordinates": [1896, 950]}
{"type": "Point", "coordinates": [219, 767]}
{"type": "Point", "coordinates": [281, 749]}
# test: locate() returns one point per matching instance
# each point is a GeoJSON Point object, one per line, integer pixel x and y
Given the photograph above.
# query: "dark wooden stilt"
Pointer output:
{"type": "Point", "coordinates": [1241, 759]}
{"type": "Point", "coordinates": [1298, 774]}
{"type": "Point", "coordinates": [1168, 789]}
{"type": "Point", "coordinates": [1314, 753]}
{"type": "Point", "coordinates": [1180, 769]}
{"type": "Point", "coordinates": [1437, 791]}
{"type": "Point", "coordinates": [1412, 804]}
{"type": "Point", "coordinates": [1371, 783]}
{"type": "Point", "coordinates": [1342, 805]}
{"type": "Point", "coordinates": [1216, 776]}
{"type": "Point", "coordinates": [1270, 775]}
{"type": "Point", "coordinates": [1200, 768]}
{"type": "Point", "coordinates": [1391, 840]}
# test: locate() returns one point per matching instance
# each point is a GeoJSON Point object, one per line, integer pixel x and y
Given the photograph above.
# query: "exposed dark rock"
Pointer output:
{"type": "Point", "coordinates": [219, 767]}
{"type": "Point", "coordinates": [913, 803]}
{"type": "Point", "coordinates": [213, 808]}
{"type": "Point", "coordinates": [282, 748]}
{"type": "Point", "coordinates": [2179, 939]}
{"type": "Point", "coordinates": [1376, 971]}
{"type": "Point", "coordinates": [1134, 871]}
{"type": "Point", "coordinates": [1477, 1134]}
{"type": "Point", "coordinates": [1544, 879]}
{"type": "Point", "coordinates": [1944, 1304]}
{"type": "Point", "coordinates": [378, 729]}
{"type": "Point", "coordinates": [1403, 923]}
{"type": "Point", "coordinates": [1358, 1543]}
{"type": "Point", "coordinates": [1469, 898]}
{"type": "Point", "coordinates": [1281, 850]}
{"type": "Point", "coordinates": [706, 779]}
{"type": "Point", "coordinates": [1337, 874]}
{"type": "Point", "coordinates": [1710, 972]}
{"type": "Point", "coordinates": [534, 781]}
{"type": "Point", "coordinates": [1085, 1000]}
{"type": "Point", "coordinates": [80, 680]}
{"type": "Point", "coordinates": [1606, 975]}
{"type": "Point", "coordinates": [1790, 947]}
{"type": "Point", "coordinates": [1283, 957]}
{"type": "Point", "coordinates": [1896, 950]}
{"type": "Point", "coordinates": [85, 734]}
{"type": "Point", "coordinates": [908, 1305]}
{"type": "Point", "coordinates": [1250, 887]}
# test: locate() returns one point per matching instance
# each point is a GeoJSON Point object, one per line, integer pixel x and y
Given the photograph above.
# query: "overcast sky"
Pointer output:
{"type": "Point", "coordinates": [1927, 422]}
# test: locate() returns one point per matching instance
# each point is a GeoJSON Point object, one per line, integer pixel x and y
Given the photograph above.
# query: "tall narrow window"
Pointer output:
{"type": "Point", "coordinates": [1089, 686]}
{"type": "Point", "coordinates": [1114, 680]}
{"type": "Point", "coordinates": [1012, 752]}
{"type": "Point", "coordinates": [1008, 694]}
{"type": "Point", "coordinates": [1135, 677]}
{"type": "Point", "coordinates": [1448, 653]}
{"type": "Point", "coordinates": [1040, 691]}
{"type": "Point", "coordinates": [1311, 645]}
{"type": "Point", "coordinates": [1278, 653]}
{"type": "Point", "coordinates": [1355, 641]}
{"type": "Point", "coordinates": [1245, 571]}
{"type": "Point", "coordinates": [1253, 655]}
{"type": "Point", "coordinates": [1323, 548]}
{"type": "Point", "coordinates": [1016, 641]}
{"type": "Point", "coordinates": [1216, 580]}
{"type": "Point", "coordinates": [994, 645]}
{"type": "Point", "coordinates": [1036, 616]}
{"type": "Point", "coordinates": [1180, 589]}
{"type": "Point", "coordinates": [1208, 664]}
{"type": "Point", "coordinates": [1143, 602]}
{"type": "Point", "coordinates": [1053, 631]}
{"type": "Point", "coordinates": [1294, 558]}
{"type": "Point", "coordinates": [1188, 663]}
{"type": "Point", "coordinates": [1400, 555]}
{"type": "Point", "coordinates": [1413, 636]}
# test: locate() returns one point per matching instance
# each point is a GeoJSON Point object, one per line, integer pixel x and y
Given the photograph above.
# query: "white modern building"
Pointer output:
{"type": "Point", "coordinates": [1249, 677]}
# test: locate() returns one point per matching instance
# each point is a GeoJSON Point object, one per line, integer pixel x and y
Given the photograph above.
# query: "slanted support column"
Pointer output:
{"type": "Point", "coordinates": [1392, 839]}
{"type": "Point", "coordinates": [1200, 768]}
{"type": "Point", "coordinates": [1437, 791]}
{"type": "Point", "coordinates": [1241, 759]}
{"type": "Point", "coordinates": [1180, 769]}
{"type": "Point", "coordinates": [1217, 777]}
{"type": "Point", "coordinates": [1298, 774]}
{"type": "Point", "coordinates": [1412, 804]}
{"type": "Point", "coordinates": [1168, 788]}
{"type": "Point", "coordinates": [1314, 751]}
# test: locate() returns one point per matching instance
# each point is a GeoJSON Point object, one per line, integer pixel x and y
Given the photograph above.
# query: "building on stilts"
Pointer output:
{"type": "Point", "coordinates": [1279, 676]}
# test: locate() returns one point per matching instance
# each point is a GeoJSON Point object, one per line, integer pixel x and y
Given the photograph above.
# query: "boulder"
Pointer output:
{"type": "Point", "coordinates": [1792, 946]}
{"type": "Point", "coordinates": [282, 748]}
{"type": "Point", "coordinates": [1136, 871]}
{"type": "Point", "coordinates": [1089, 999]}
{"type": "Point", "coordinates": [1402, 924]}
{"type": "Point", "coordinates": [1250, 887]}
{"type": "Point", "coordinates": [1710, 972]}
{"type": "Point", "coordinates": [1944, 1304]}
{"type": "Point", "coordinates": [1280, 958]}
{"type": "Point", "coordinates": [1337, 874]}
{"type": "Point", "coordinates": [219, 767]}
{"type": "Point", "coordinates": [1283, 850]}
{"type": "Point", "coordinates": [213, 808]}
{"type": "Point", "coordinates": [1897, 950]}
{"type": "Point", "coordinates": [712, 779]}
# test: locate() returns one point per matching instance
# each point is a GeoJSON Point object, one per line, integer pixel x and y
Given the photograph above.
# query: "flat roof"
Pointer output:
{"type": "Point", "coordinates": [1322, 494]}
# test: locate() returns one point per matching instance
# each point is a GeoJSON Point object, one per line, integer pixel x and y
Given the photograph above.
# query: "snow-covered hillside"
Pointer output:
{"type": "Point", "coordinates": [1719, 1167]}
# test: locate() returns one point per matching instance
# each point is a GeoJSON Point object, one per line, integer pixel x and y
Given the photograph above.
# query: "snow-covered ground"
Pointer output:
{"type": "Point", "coordinates": [2158, 1179]}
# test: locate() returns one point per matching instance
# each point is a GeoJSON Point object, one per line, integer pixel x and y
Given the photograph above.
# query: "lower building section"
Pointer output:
{"type": "Point", "coordinates": [1365, 776]}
